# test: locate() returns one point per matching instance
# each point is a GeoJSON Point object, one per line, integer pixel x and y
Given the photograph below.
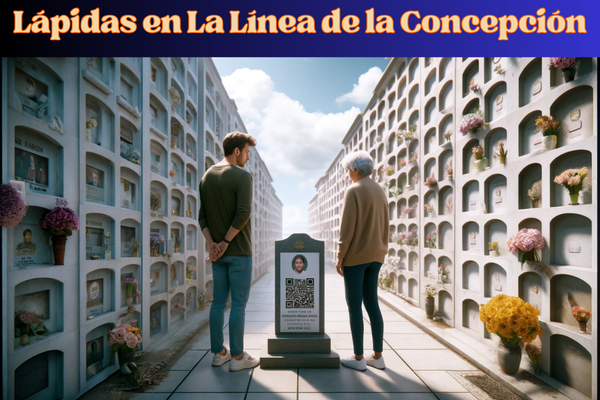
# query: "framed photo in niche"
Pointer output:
{"type": "Point", "coordinates": [94, 178]}
{"type": "Point", "coordinates": [94, 353]}
{"type": "Point", "coordinates": [155, 158]}
{"type": "Point", "coordinates": [127, 236]}
{"type": "Point", "coordinates": [32, 94]}
{"type": "Point", "coordinates": [94, 297]}
{"type": "Point", "coordinates": [155, 321]}
{"type": "Point", "coordinates": [94, 249]}
{"type": "Point", "coordinates": [92, 114]}
{"type": "Point", "coordinates": [175, 205]}
{"type": "Point", "coordinates": [127, 194]}
{"type": "Point", "coordinates": [30, 167]}
{"type": "Point", "coordinates": [155, 281]}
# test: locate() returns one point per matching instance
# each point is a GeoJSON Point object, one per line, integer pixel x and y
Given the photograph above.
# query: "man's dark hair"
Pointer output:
{"type": "Point", "coordinates": [25, 232]}
{"type": "Point", "coordinates": [237, 140]}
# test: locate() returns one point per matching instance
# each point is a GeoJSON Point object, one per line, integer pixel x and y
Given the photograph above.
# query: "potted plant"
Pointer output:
{"type": "Point", "coordinates": [572, 179]}
{"type": "Point", "coordinates": [493, 248]}
{"type": "Point", "coordinates": [449, 169]}
{"type": "Point", "coordinates": [429, 291]}
{"type": "Point", "coordinates": [447, 136]}
{"type": "Point", "coordinates": [430, 240]}
{"type": "Point", "coordinates": [443, 272]}
{"type": "Point", "coordinates": [428, 207]}
{"type": "Point", "coordinates": [474, 87]}
{"type": "Point", "coordinates": [135, 247]}
{"type": "Point", "coordinates": [501, 153]}
{"type": "Point", "coordinates": [130, 286]}
{"type": "Point", "coordinates": [514, 321]}
{"type": "Point", "coordinates": [155, 201]}
{"type": "Point", "coordinates": [431, 181]}
{"type": "Point", "coordinates": [59, 223]}
{"type": "Point", "coordinates": [175, 98]}
{"type": "Point", "coordinates": [12, 208]}
{"type": "Point", "coordinates": [549, 128]}
{"type": "Point", "coordinates": [26, 322]}
{"type": "Point", "coordinates": [390, 171]}
{"type": "Point", "coordinates": [526, 244]}
{"type": "Point", "coordinates": [471, 122]}
{"type": "Point", "coordinates": [155, 240]}
{"type": "Point", "coordinates": [534, 195]}
{"type": "Point", "coordinates": [106, 244]}
{"type": "Point", "coordinates": [125, 340]}
{"type": "Point", "coordinates": [582, 316]}
{"type": "Point", "coordinates": [480, 160]}
{"type": "Point", "coordinates": [566, 64]}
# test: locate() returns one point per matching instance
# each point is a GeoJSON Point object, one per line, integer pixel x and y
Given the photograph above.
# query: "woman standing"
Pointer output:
{"type": "Point", "coordinates": [362, 248]}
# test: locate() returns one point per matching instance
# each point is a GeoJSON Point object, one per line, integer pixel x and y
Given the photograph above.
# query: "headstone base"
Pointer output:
{"type": "Point", "coordinates": [299, 351]}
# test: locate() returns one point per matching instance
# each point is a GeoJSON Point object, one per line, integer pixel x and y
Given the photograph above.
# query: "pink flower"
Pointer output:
{"type": "Point", "coordinates": [119, 334]}
{"type": "Point", "coordinates": [563, 62]}
{"type": "Point", "coordinates": [12, 208]}
{"type": "Point", "coordinates": [111, 340]}
{"type": "Point", "coordinates": [139, 338]}
{"type": "Point", "coordinates": [526, 240]}
{"type": "Point", "coordinates": [131, 340]}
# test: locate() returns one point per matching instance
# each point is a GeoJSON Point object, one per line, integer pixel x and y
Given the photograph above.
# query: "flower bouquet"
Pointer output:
{"type": "Point", "coordinates": [125, 339]}
{"type": "Point", "coordinates": [480, 160]}
{"type": "Point", "coordinates": [501, 153]}
{"type": "Point", "coordinates": [471, 122]}
{"type": "Point", "coordinates": [401, 162]}
{"type": "Point", "coordinates": [155, 240]}
{"type": "Point", "coordinates": [414, 157]}
{"type": "Point", "coordinates": [407, 134]}
{"type": "Point", "coordinates": [429, 209]}
{"type": "Point", "coordinates": [430, 180]}
{"type": "Point", "coordinates": [391, 171]}
{"type": "Point", "coordinates": [566, 64]}
{"type": "Point", "coordinates": [27, 322]}
{"type": "Point", "coordinates": [526, 244]}
{"type": "Point", "coordinates": [582, 316]}
{"type": "Point", "coordinates": [12, 208]}
{"type": "Point", "coordinates": [172, 173]}
{"type": "Point", "coordinates": [430, 240]}
{"type": "Point", "coordinates": [135, 246]}
{"type": "Point", "coordinates": [448, 136]}
{"type": "Point", "coordinates": [443, 272]}
{"type": "Point", "coordinates": [572, 179]}
{"type": "Point", "coordinates": [155, 201]}
{"type": "Point", "coordinates": [130, 286]}
{"type": "Point", "coordinates": [534, 195]}
{"type": "Point", "coordinates": [511, 318]}
{"type": "Point", "coordinates": [401, 238]}
{"type": "Point", "coordinates": [178, 308]}
{"type": "Point", "coordinates": [430, 290]}
{"type": "Point", "coordinates": [416, 178]}
{"type": "Point", "coordinates": [449, 169]}
{"type": "Point", "coordinates": [412, 238]}
{"type": "Point", "coordinates": [59, 223]}
{"type": "Point", "coordinates": [549, 128]}
{"type": "Point", "coordinates": [474, 87]}
{"type": "Point", "coordinates": [175, 97]}
{"type": "Point", "coordinates": [395, 191]}
{"type": "Point", "coordinates": [493, 248]}
{"type": "Point", "coordinates": [534, 355]}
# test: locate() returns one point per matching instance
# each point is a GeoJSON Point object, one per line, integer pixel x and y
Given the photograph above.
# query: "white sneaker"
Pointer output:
{"type": "Point", "coordinates": [352, 362]}
{"type": "Point", "coordinates": [219, 360]}
{"type": "Point", "coordinates": [378, 363]}
{"type": "Point", "coordinates": [247, 361]}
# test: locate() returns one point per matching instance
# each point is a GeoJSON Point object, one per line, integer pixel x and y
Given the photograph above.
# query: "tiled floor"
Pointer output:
{"type": "Point", "coordinates": [416, 363]}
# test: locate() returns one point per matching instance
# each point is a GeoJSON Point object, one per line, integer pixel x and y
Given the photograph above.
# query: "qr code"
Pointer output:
{"type": "Point", "coordinates": [300, 293]}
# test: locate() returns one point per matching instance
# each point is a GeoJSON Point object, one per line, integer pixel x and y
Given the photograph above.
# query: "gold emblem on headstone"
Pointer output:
{"type": "Point", "coordinates": [299, 245]}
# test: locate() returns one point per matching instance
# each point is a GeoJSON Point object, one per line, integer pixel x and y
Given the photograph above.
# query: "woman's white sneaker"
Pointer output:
{"type": "Point", "coordinates": [219, 360]}
{"type": "Point", "coordinates": [352, 362]}
{"type": "Point", "coordinates": [378, 363]}
{"type": "Point", "coordinates": [247, 361]}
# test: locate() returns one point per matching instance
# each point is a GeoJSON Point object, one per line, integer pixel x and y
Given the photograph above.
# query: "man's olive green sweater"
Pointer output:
{"type": "Point", "coordinates": [226, 201]}
{"type": "Point", "coordinates": [365, 224]}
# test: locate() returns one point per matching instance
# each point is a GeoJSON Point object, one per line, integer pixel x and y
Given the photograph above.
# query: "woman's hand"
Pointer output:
{"type": "Point", "coordinates": [339, 267]}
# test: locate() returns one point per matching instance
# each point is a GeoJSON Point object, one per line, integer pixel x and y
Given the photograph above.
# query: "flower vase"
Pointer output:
{"type": "Point", "coordinates": [549, 142]}
{"type": "Point", "coordinates": [125, 357]}
{"type": "Point", "coordinates": [107, 255]}
{"type": "Point", "coordinates": [582, 326]}
{"type": "Point", "coordinates": [24, 339]}
{"type": "Point", "coordinates": [535, 203]}
{"type": "Point", "coordinates": [137, 300]}
{"type": "Point", "coordinates": [429, 306]}
{"type": "Point", "coordinates": [474, 130]}
{"type": "Point", "coordinates": [480, 165]}
{"type": "Point", "coordinates": [493, 253]}
{"type": "Point", "coordinates": [135, 254]}
{"type": "Point", "coordinates": [509, 356]}
{"type": "Point", "coordinates": [568, 74]}
{"type": "Point", "coordinates": [154, 251]}
{"type": "Point", "coordinates": [129, 301]}
{"type": "Point", "coordinates": [58, 248]}
{"type": "Point", "coordinates": [574, 198]}
{"type": "Point", "coordinates": [502, 160]}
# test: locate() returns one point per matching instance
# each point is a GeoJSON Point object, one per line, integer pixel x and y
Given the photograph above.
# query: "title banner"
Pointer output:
{"type": "Point", "coordinates": [297, 29]}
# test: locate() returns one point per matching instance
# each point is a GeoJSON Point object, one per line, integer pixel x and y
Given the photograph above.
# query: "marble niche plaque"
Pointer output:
{"type": "Point", "coordinates": [155, 158]}
{"type": "Point", "coordinates": [575, 124]}
{"type": "Point", "coordinates": [127, 236]}
{"type": "Point", "coordinates": [499, 103]}
{"type": "Point", "coordinates": [498, 196]}
{"type": "Point", "coordinates": [94, 234]}
{"type": "Point", "coordinates": [94, 354]}
{"type": "Point", "coordinates": [31, 245]}
{"type": "Point", "coordinates": [127, 194]}
{"type": "Point", "coordinates": [93, 112]}
{"type": "Point", "coordinates": [155, 320]}
{"type": "Point", "coordinates": [94, 297]}
{"type": "Point", "coordinates": [155, 281]}
{"type": "Point", "coordinates": [32, 94]}
{"type": "Point", "coordinates": [537, 87]}
{"type": "Point", "coordinates": [94, 190]}
{"type": "Point", "coordinates": [32, 164]}
{"type": "Point", "coordinates": [32, 376]}
{"type": "Point", "coordinates": [473, 241]}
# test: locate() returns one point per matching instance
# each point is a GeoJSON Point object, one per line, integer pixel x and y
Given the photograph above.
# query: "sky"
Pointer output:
{"type": "Point", "coordinates": [299, 110]}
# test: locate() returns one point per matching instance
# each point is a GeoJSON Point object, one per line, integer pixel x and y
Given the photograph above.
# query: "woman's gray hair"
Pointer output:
{"type": "Point", "coordinates": [360, 161]}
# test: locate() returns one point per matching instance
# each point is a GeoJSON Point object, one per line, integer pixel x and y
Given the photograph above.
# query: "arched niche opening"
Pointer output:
{"type": "Point", "coordinates": [571, 240]}
{"type": "Point", "coordinates": [446, 307]}
{"type": "Point", "coordinates": [430, 142]}
{"type": "Point", "coordinates": [158, 230]}
{"type": "Point", "coordinates": [392, 96]}
{"type": "Point", "coordinates": [128, 271]}
{"type": "Point", "coordinates": [158, 198]}
{"type": "Point", "coordinates": [191, 269]}
{"type": "Point", "coordinates": [413, 202]}
{"type": "Point", "coordinates": [468, 157]}
{"type": "Point", "coordinates": [177, 203]}
{"type": "Point", "coordinates": [446, 98]}
{"type": "Point", "coordinates": [392, 210]}
{"type": "Point", "coordinates": [567, 291]}
{"type": "Point", "coordinates": [496, 102]}
{"type": "Point", "coordinates": [413, 261]}
{"type": "Point", "coordinates": [413, 96]}
{"type": "Point", "coordinates": [446, 236]}
{"type": "Point", "coordinates": [400, 70]}
{"type": "Point", "coordinates": [130, 96]}
{"type": "Point", "coordinates": [446, 206]}
{"type": "Point", "coordinates": [191, 300]}
{"type": "Point", "coordinates": [178, 69]}
{"type": "Point", "coordinates": [159, 76]}
{"type": "Point", "coordinates": [445, 68]}
{"type": "Point", "coordinates": [158, 158]}
{"type": "Point", "coordinates": [446, 165]}
{"type": "Point", "coordinates": [430, 110]}
{"type": "Point", "coordinates": [191, 238]}
{"type": "Point", "coordinates": [31, 247]}
{"type": "Point", "coordinates": [97, 245]}
{"type": "Point", "coordinates": [584, 66]}
{"type": "Point", "coordinates": [176, 239]}
{"type": "Point", "coordinates": [494, 280]}
{"type": "Point", "coordinates": [413, 121]}
{"type": "Point", "coordinates": [179, 108]}
{"type": "Point", "coordinates": [130, 140]}
{"type": "Point", "coordinates": [495, 231]}
{"type": "Point", "coordinates": [430, 236]}
{"type": "Point", "coordinates": [158, 319]}
{"type": "Point", "coordinates": [471, 196]}
{"type": "Point", "coordinates": [394, 279]}
{"type": "Point", "coordinates": [176, 276]}
{"type": "Point", "coordinates": [471, 239]}
{"type": "Point", "coordinates": [530, 289]}
{"type": "Point", "coordinates": [530, 140]}
{"type": "Point", "coordinates": [177, 166]}
{"type": "Point", "coordinates": [430, 198]}
{"type": "Point", "coordinates": [130, 238]}
{"type": "Point", "coordinates": [413, 289]}
{"type": "Point", "coordinates": [402, 110]}
{"type": "Point", "coordinates": [99, 179]}
{"type": "Point", "coordinates": [575, 111]}
{"type": "Point", "coordinates": [177, 134]}
{"type": "Point", "coordinates": [491, 145]}
{"type": "Point", "coordinates": [391, 252]}
{"type": "Point", "coordinates": [47, 371]}
{"type": "Point", "coordinates": [99, 287]}
{"type": "Point", "coordinates": [530, 187]}
{"type": "Point", "coordinates": [446, 126]}
{"type": "Point", "coordinates": [412, 69]}
{"type": "Point", "coordinates": [99, 355]}
{"type": "Point", "coordinates": [190, 146]}
{"type": "Point", "coordinates": [401, 207]}
{"type": "Point", "coordinates": [496, 195]}
{"type": "Point", "coordinates": [158, 278]}
{"type": "Point", "coordinates": [559, 195]}
{"type": "Point", "coordinates": [402, 285]}
{"type": "Point", "coordinates": [470, 318]}
{"type": "Point", "coordinates": [470, 276]}
{"type": "Point", "coordinates": [470, 75]}
{"type": "Point", "coordinates": [158, 117]}
{"type": "Point", "coordinates": [430, 168]}
{"type": "Point", "coordinates": [571, 364]}
{"type": "Point", "coordinates": [129, 195]}
{"type": "Point", "coordinates": [447, 263]}
{"type": "Point", "coordinates": [430, 267]}
{"type": "Point", "coordinates": [530, 82]}
{"type": "Point", "coordinates": [471, 107]}
{"type": "Point", "coordinates": [430, 82]}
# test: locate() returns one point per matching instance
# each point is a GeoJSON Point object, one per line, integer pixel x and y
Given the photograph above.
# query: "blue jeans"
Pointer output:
{"type": "Point", "coordinates": [360, 282]}
{"type": "Point", "coordinates": [235, 273]}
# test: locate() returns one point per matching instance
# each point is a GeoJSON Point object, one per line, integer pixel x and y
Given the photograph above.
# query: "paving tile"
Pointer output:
{"type": "Point", "coordinates": [441, 382]}
{"type": "Point", "coordinates": [173, 379]}
{"type": "Point", "coordinates": [434, 360]}
{"type": "Point", "coordinates": [274, 380]}
{"type": "Point", "coordinates": [400, 327]}
{"type": "Point", "coordinates": [256, 327]}
{"type": "Point", "coordinates": [412, 341]}
{"type": "Point", "coordinates": [261, 307]}
{"type": "Point", "coordinates": [189, 360]}
{"type": "Point", "coordinates": [150, 396]}
{"type": "Point", "coordinates": [207, 396]}
{"type": "Point", "coordinates": [263, 316]}
{"type": "Point", "coordinates": [455, 396]}
{"type": "Point", "coordinates": [271, 396]}
{"type": "Point", "coordinates": [366, 396]}
{"type": "Point", "coordinates": [343, 341]}
{"type": "Point", "coordinates": [205, 378]}
{"type": "Point", "coordinates": [397, 377]}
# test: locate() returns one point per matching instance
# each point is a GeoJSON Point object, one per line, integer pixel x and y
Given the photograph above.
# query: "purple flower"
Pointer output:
{"type": "Point", "coordinates": [563, 62]}
{"type": "Point", "coordinates": [60, 220]}
{"type": "Point", "coordinates": [12, 208]}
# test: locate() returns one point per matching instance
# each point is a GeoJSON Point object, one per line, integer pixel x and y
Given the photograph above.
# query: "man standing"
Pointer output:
{"type": "Point", "coordinates": [226, 203]}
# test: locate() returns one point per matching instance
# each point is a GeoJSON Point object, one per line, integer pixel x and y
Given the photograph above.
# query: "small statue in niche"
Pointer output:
{"type": "Point", "coordinates": [535, 289]}
{"type": "Point", "coordinates": [575, 123]}
{"type": "Point", "coordinates": [497, 285]}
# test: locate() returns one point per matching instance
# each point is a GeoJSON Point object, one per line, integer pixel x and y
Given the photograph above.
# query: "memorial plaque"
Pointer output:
{"type": "Point", "coordinates": [94, 356]}
{"type": "Point", "coordinates": [155, 282]}
{"type": "Point", "coordinates": [575, 124]}
{"type": "Point", "coordinates": [94, 249]}
{"type": "Point", "coordinates": [95, 184]}
{"type": "Point", "coordinates": [31, 246]}
{"type": "Point", "coordinates": [127, 236]}
{"type": "Point", "coordinates": [32, 376]}
{"type": "Point", "coordinates": [94, 297]}
{"type": "Point", "coordinates": [155, 321]}
{"type": "Point", "coordinates": [32, 94]}
{"type": "Point", "coordinates": [127, 194]}
{"type": "Point", "coordinates": [155, 158]}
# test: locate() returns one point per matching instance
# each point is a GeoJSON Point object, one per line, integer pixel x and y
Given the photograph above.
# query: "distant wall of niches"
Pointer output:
{"type": "Point", "coordinates": [125, 141]}
{"type": "Point", "coordinates": [466, 210]}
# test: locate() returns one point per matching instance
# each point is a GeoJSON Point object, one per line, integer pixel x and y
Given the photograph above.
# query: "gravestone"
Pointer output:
{"type": "Point", "coordinates": [300, 340]}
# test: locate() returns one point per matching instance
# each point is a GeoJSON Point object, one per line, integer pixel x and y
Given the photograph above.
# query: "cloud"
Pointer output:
{"type": "Point", "coordinates": [293, 142]}
{"type": "Point", "coordinates": [361, 93]}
